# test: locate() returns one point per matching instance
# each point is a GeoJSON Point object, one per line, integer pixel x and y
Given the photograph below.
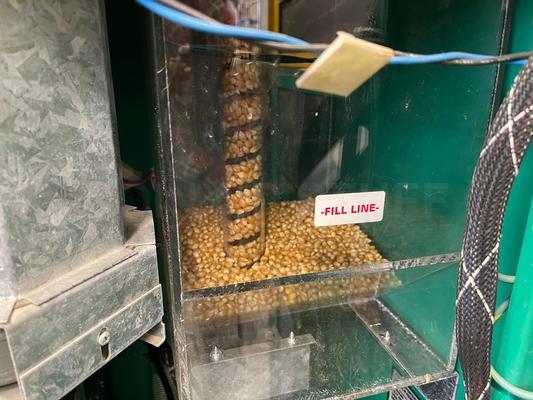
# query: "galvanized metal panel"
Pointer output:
{"type": "Point", "coordinates": [61, 372]}
{"type": "Point", "coordinates": [78, 275]}
{"type": "Point", "coordinates": [61, 235]}
{"type": "Point", "coordinates": [59, 192]}
{"type": "Point", "coordinates": [55, 345]}
{"type": "Point", "coordinates": [35, 332]}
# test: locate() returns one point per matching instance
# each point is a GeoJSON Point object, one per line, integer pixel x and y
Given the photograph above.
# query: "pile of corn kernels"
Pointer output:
{"type": "Point", "coordinates": [262, 303]}
{"type": "Point", "coordinates": [293, 246]}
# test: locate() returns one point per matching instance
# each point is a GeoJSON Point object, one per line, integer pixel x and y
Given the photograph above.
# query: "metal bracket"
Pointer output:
{"type": "Point", "coordinates": [259, 371]}
{"type": "Point", "coordinates": [155, 336]}
{"type": "Point", "coordinates": [57, 343]}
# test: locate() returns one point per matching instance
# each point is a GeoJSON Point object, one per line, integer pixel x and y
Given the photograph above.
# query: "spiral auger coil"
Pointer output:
{"type": "Point", "coordinates": [244, 100]}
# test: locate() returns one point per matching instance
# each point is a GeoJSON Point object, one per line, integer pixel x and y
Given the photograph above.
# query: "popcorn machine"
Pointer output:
{"type": "Point", "coordinates": [311, 241]}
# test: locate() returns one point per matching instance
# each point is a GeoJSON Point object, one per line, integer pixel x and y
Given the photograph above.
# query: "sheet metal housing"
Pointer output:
{"type": "Point", "coordinates": [71, 263]}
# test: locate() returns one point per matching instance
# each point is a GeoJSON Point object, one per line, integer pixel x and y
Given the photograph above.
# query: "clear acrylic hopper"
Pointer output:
{"type": "Point", "coordinates": [265, 303]}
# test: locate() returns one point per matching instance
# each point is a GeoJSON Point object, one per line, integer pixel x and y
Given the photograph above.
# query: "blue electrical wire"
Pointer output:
{"type": "Point", "coordinates": [217, 29]}
{"type": "Point", "coordinates": [432, 58]}
{"type": "Point", "coordinates": [440, 57]}
{"type": "Point", "coordinates": [220, 29]}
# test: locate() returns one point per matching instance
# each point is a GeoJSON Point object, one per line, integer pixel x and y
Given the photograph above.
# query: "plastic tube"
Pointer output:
{"type": "Point", "coordinates": [514, 390]}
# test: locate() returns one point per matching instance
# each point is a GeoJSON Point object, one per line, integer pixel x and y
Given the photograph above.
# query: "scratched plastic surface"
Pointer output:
{"type": "Point", "coordinates": [357, 340]}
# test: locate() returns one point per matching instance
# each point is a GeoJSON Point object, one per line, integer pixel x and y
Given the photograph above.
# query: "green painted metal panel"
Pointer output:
{"type": "Point", "coordinates": [516, 212]}
{"type": "Point", "coordinates": [514, 357]}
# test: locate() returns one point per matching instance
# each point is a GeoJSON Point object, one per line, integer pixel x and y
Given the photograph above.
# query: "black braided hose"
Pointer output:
{"type": "Point", "coordinates": [506, 144]}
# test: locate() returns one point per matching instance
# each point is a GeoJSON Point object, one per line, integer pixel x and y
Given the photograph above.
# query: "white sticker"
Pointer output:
{"type": "Point", "coordinates": [349, 208]}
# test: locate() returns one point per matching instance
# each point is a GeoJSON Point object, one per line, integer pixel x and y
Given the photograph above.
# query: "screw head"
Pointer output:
{"type": "Point", "coordinates": [216, 354]}
{"type": "Point", "coordinates": [292, 339]}
{"type": "Point", "coordinates": [385, 336]}
{"type": "Point", "coordinates": [103, 337]}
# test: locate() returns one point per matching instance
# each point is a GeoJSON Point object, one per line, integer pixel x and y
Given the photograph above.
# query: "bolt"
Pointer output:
{"type": "Point", "coordinates": [103, 337]}
{"type": "Point", "coordinates": [292, 339]}
{"type": "Point", "coordinates": [385, 336]}
{"type": "Point", "coordinates": [216, 354]}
